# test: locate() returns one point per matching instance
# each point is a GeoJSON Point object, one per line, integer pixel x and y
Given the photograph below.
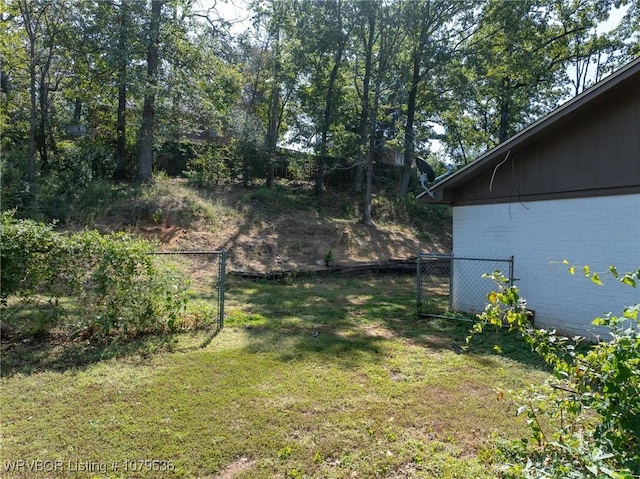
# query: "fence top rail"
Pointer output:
{"type": "Point", "coordinates": [218, 252]}
{"type": "Point", "coordinates": [450, 256]}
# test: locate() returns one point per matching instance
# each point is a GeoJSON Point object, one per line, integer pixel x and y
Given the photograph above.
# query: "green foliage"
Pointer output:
{"type": "Point", "coordinates": [313, 82]}
{"type": "Point", "coordinates": [209, 166]}
{"type": "Point", "coordinates": [116, 286]}
{"type": "Point", "coordinates": [25, 245]}
{"type": "Point", "coordinates": [15, 192]}
{"type": "Point", "coordinates": [79, 181]}
{"type": "Point", "coordinates": [586, 422]}
{"type": "Point", "coordinates": [328, 258]}
{"type": "Point", "coordinates": [85, 159]}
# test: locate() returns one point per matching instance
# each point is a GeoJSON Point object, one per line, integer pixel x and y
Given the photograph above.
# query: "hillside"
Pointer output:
{"type": "Point", "coordinates": [286, 228]}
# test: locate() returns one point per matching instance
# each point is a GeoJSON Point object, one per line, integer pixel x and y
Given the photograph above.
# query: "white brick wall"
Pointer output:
{"type": "Point", "coordinates": [598, 232]}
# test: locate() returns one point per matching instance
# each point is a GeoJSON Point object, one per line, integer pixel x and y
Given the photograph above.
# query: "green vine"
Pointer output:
{"type": "Point", "coordinates": [586, 421]}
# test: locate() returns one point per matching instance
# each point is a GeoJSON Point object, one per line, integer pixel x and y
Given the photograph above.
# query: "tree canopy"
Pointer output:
{"type": "Point", "coordinates": [116, 88]}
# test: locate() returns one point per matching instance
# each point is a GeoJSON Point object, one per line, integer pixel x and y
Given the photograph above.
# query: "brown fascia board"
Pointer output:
{"type": "Point", "coordinates": [498, 153]}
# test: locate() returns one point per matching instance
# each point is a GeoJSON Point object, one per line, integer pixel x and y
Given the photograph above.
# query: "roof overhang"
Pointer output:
{"type": "Point", "coordinates": [564, 113]}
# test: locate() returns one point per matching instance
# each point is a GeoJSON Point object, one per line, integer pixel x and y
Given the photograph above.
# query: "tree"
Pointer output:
{"type": "Point", "coordinates": [123, 62]}
{"type": "Point", "coordinates": [199, 83]}
{"type": "Point", "coordinates": [517, 61]}
{"type": "Point", "coordinates": [343, 77]}
{"type": "Point", "coordinates": [377, 38]}
{"type": "Point", "coordinates": [368, 38]}
{"type": "Point", "coordinates": [275, 105]}
{"type": "Point", "coordinates": [627, 34]}
{"type": "Point", "coordinates": [145, 161]}
{"type": "Point", "coordinates": [323, 30]}
{"type": "Point", "coordinates": [513, 69]}
{"type": "Point", "coordinates": [589, 52]}
{"type": "Point", "coordinates": [247, 125]}
{"type": "Point", "coordinates": [436, 29]}
{"type": "Point", "coordinates": [41, 23]}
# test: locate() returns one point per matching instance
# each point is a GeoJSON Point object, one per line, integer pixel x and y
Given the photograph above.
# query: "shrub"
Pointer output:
{"type": "Point", "coordinates": [85, 159]}
{"type": "Point", "coordinates": [23, 254]}
{"type": "Point", "coordinates": [586, 422]}
{"type": "Point", "coordinates": [209, 166]}
{"type": "Point", "coordinates": [116, 286]}
{"type": "Point", "coordinates": [15, 191]}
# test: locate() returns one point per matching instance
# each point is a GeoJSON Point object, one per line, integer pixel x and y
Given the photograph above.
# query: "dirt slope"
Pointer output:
{"type": "Point", "coordinates": [266, 233]}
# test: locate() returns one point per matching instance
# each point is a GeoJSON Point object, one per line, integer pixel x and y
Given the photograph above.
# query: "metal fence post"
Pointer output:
{"type": "Point", "coordinates": [451, 270]}
{"type": "Point", "coordinates": [511, 271]}
{"type": "Point", "coordinates": [221, 287]}
{"type": "Point", "coordinates": [419, 282]}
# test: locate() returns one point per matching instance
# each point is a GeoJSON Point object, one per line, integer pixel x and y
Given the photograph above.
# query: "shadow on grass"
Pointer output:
{"type": "Point", "coordinates": [343, 320]}
{"type": "Point", "coordinates": [38, 342]}
{"type": "Point", "coordinates": [348, 320]}
{"type": "Point", "coordinates": [50, 354]}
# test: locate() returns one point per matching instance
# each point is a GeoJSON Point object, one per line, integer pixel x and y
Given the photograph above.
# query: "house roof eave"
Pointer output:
{"type": "Point", "coordinates": [499, 152]}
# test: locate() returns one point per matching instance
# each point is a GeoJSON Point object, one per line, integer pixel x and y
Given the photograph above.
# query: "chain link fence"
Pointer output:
{"type": "Point", "coordinates": [447, 283]}
{"type": "Point", "coordinates": [80, 294]}
{"type": "Point", "coordinates": [205, 273]}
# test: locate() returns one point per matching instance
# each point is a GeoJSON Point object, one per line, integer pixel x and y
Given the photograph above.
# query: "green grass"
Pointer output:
{"type": "Point", "coordinates": [166, 201]}
{"type": "Point", "coordinates": [174, 202]}
{"type": "Point", "coordinates": [310, 378]}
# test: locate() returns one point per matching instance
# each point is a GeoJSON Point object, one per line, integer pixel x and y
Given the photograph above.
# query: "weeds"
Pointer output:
{"type": "Point", "coordinates": [117, 288]}
{"type": "Point", "coordinates": [585, 422]}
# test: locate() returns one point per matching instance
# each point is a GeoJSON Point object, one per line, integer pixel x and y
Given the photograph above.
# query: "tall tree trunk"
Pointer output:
{"type": "Point", "coordinates": [272, 132]}
{"type": "Point", "coordinates": [247, 143]}
{"type": "Point", "coordinates": [43, 91]}
{"type": "Point", "coordinates": [409, 130]}
{"type": "Point", "coordinates": [368, 188]}
{"type": "Point", "coordinates": [364, 114]}
{"type": "Point", "coordinates": [4, 82]}
{"type": "Point", "coordinates": [33, 122]}
{"type": "Point", "coordinates": [26, 13]}
{"type": "Point", "coordinates": [145, 162]}
{"type": "Point", "coordinates": [41, 134]}
{"type": "Point", "coordinates": [367, 125]}
{"type": "Point", "coordinates": [121, 125]}
{"type": "Point", "coordinates": [77, 111]}
{"type": "Point", "coordinates": [503, 133]}
{"type": "Point", "coordinates": [368, 191]}
{"type": "Point", "coordinates": [409, 133]}
{"type": "Point", "coordinates": [504, 121]}
{"type": "Point", "coordinates": [326, 121]}
{"type": "Point", "coordinates": [271, 138]}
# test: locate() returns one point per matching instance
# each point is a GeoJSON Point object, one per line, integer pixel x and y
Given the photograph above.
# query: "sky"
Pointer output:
{"type": "Point", "coordinates": [235, 11]}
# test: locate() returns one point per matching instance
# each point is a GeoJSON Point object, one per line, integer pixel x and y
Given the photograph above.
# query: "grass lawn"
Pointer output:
{"type": "Point", "coordinates": [313, 378]}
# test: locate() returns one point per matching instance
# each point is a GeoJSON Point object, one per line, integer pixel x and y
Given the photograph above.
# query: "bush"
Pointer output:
{"type": "Point", "coordinates": [116, 286]}
{"type": "Point", "coordinates": [209, 166]}
{"type": "Point", "coordinates": [85, 159]}
{"type": "Point", "coordinates": [586, 422]}
{"type": "Point", "coordinates": [15, 191]}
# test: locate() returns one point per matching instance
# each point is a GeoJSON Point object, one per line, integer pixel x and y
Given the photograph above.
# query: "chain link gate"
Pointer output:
{"type": "Point", "coordinates": [197, 264]}
{"type": "Point", "coordinates": [447, 283]}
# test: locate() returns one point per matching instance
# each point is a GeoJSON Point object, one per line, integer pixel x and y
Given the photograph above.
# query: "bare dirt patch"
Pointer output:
{"type": "Point", "coordinates": [235, 468]}
{"type": "Point", "coordinates": [260, 240]}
